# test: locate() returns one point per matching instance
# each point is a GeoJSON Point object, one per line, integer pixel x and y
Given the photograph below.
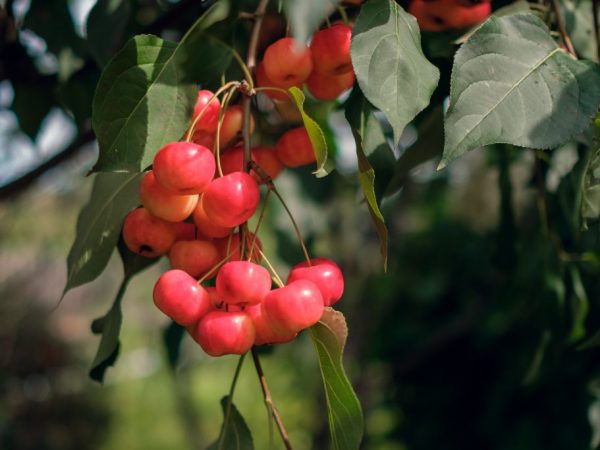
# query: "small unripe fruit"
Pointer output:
{"type": "Point", "coordinates": [225, 333]}
{"type": "Point", "coordinates": [231, 199]}
{"type": "Point", "coordinates": [146, 234]}
{"type": "Point", "coordinates": [262, 80]}
{"type": "Point", "coordinates": [325, 274]}
{"type": "Point", "coordinates": [233, 121]}
{"type": "Point", "coordinates": [243, 283]}
{"type": "Point", "coordinates": [205, 224]}
{"type": "Point", "coordinates": [194, 257]}
{"type": "Point", "coordinates": [265, 333]}
{"type": "Point", "coordinates": [324, 87]}
{"type": "Point", "coordinates": [232, 160]}
{"type": "Point", "coordinates": [287, 61]}
{"type": "Point", "coordinates": [163, 203]}
{"type": "Point", "coordinates": [180, 297]}
{"type": "Point", "coordinates": [330, 49]}
{"type": "Point", "coordinates": [184, 167]}
{"type": "Point", "coordinates": [294, 307]}
{"type": "Point", "coordinates": [294, 148]}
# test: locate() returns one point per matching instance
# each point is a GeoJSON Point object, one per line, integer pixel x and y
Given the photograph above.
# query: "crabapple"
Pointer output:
{"type": "Point", "coordinates": [294, 307]}
{"type": "Point", "coordinates": [163, 203]}
{"type": "Point", "coordinates": [146, 234]}
{"type": "Point", "coordinates": [231, 199]}
{"type": "Point", "coordinates": [330, 50]}
{"type": "Point", "coordinates": [326, 87]}
{"type": "Point", "coordinates": [233, 121]}
{"type": "Point", "coordinates": [294, 148]}
{"type": "Point", "coordinates": [205, 224]}
{"type": "Point", "coordinates": [194, 257]}
{"type": "Point", "coordinates": [209, 120]}
{"type": "Point", "coordinates": [180, 297]}
{"type": "Point", "coordinates": [262, 80]}
{"type": "Point", "coordinates": [204, 139]}
{"type": "Point", "coordinates": [230, 247]}
{"type": "Point", "coordinates": [224, 333]}
{"type": "Point", "coordinates": [325, 274]}
{"type": "Point", "coordinates": [243, 283]}
{"type": "Point", "coordinates": [184, 167]}
{"type": "Point", "coordinates": [265, 333]}
{"type": "Point", "coordinates": [232, 160]}
{"type": "Point", "coordinates": [186, 231]}
{"type": "Point", "coordinates": [287, 61]}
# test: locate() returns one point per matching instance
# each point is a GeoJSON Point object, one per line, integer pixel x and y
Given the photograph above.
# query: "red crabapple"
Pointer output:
{"type": "Point", "coordinates": [163, 203]}
{"type": "Point", "coordinates": [224, 333]}
{"type": "Point", "coordinates": [325, 274]}
{"type": "Point", "coordinates": [204, 139]}
{"type": "Point", "coordinates": [231, 199]}
{"type": "Point", "coordinates": [184, 167]}
{"type": "Point", "coordinates": [231, 247]}
{"type": "Point", "coordinates": [262, 80]}
{"type": "Point", "coordinates": [265, 333]}
{"type": "Point", "coordinates": [205, 224]}
{"type": "Point", "coordinates": [209, 120]}
{"type": "Point", "coordinates": [186, 232]}
{"type": "Point", "coordinates": [287, 61]}
{"type": "Point", "coordinates": [146, 234]}
{"type": "Point", "coordinates": [233, 121]}
{"type": "Point", "coordinates": [324, 87]}
{"type": "Point", "coordinates": [294, 148]}
{"type": "Point", "coordinates": [232, 160]}
{"type": "Point", "coordinates": [330, 49]}
{"type": "Point", "coordinates": [194, 257]}
{"type": "Point", "coordinates": [180, 297]}
{"type": "Point", "coordinates": [243, 283]}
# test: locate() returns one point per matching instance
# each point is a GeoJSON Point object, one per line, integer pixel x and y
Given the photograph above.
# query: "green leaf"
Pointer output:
{"type": "Point", "coordinates": [346, 423]}
{"type": "Point", "coordinates": [390, 66]}
{"type": "Point", "coordinates": [235, 433]}
{"type": "Point", "coordinates": [590, 202]}
{"type": "Point", "coordinates": [109, 326]}
{"type": "Point", "coordinates": [511, 84]}
{"type": "Point", "coordinates": [132, 262]}
{"type": "Point", "coordinates": [99, 226]}
{"type": "Point", "coordinates": [106, 15]}
{"type": "Point", "coordinates": [370, 140]}
{"type": "Point", "coordinates": [579, 305]}
{"type": "Point", "coordinates": [31, 104]}
{"type": "Point", "coordinates": [579, 21]}
{"type": "Point", "coordinates": [307, 15]}
{"type": "Point", "coordinates": [316, 135]}
{"type": "Point", "coordinates": [172, 337]}
{"type": "Point", "coordinates": [145, 95]}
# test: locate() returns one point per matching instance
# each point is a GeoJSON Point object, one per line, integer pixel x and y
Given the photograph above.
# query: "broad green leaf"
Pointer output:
{"type": "Point", "coordinates": [346, 423]}
{"type": "Point", "coordinates": [145, 95]}
{"type": "Point", "coordinates": [370, 141]}
{"type": "Point", "coordinates": [31, 104]}
{"type": "Point", "coordinates": [109, 326]}
{"type": "Point", "coordinates": [579, 21]}
{"type": "Point", "coordinates": [235, 434]}
{"type": "Point", "coordinates": [306, 16]}
{"type": "Point", "coordinates": [317, 138]}
{"type": "Point", "coordinates": [99, 226]}
{"type": "Point", "coordinates": [511, 84]}
{"type": "Point", "coordinates": [106, 15]}
{"type": "Point", "coordinates": [389, 63]}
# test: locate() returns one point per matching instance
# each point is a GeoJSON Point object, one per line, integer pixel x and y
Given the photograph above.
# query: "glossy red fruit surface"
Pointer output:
{"type": "Point", "coordinates": [225, 333]}
{"type": "Point", "coordinates": [233, 121]}
{"type": "Point", "coordinates": [146, 234]}
{"type": "Point", "coordinates": [231, 199]}
{"type": "Point", "coordinates": [294, 148]}
{"type": "Point", "coordinates": [294, 307]}
{"type": "Point", "coordinates": [330, 49]}
{"type": "Point", "coordinates": [205, 224]}
{"type": "Point", "coordinates": [210, 118]}
{"type": "Point", "coordinates": [180, 297]}
{"type": "Point", "coordinates": [287, 61]}
{"type": "Point", "coordinates": [325, 87]}
{"type": "Point", "coordinates": [265, 333]}
{"type": "Point", "coordinates": [243, 283]}
{"type": "Point", "coordinates": [325, 274]}
{"type": "Point", "coordinates": [262, 80]}
{"type": "Point", "coordinates": [232, 160]}
{"type": "Point", "coordinates": [163, 203]}
{"type": "Point", "coordinates": [194, 257]}
{"type": "Point", "coordinates": [184, 167]}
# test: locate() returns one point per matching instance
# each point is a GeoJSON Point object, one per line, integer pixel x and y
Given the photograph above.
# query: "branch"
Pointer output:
{"type": "Point", "coordinates": [595, 8]}
{"type": "Point", "coordinates": [561, 27]}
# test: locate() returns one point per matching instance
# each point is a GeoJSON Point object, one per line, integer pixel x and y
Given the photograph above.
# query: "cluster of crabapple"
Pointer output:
{"type": "Point", "coordinates": [440, 15]}
{"type": "Point", "coordinates": [199, 194]}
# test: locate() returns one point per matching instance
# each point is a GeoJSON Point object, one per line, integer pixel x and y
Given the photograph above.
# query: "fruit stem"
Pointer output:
{"type": "Point", "coordinates": [269, 400]}
{"type": "Point", "coordinates": [276, 276]}
{"type": "Point", "coordinates": [273, 88]}
{"type": "Point", "coordinates": [230, 85]}
{"type": "Point", "coordinates": [230, 401]}
{"type": "Point", "coordinates": [561, 28]}
{"type": "Point", "coordinates": [207, 275]}
{"type": "Point", "coordinates": [294, 224]}
{"type": "Point", "coordinates": [343, 14]}
{"type": "Point", "coordinates": [217, 144]}
{"type": "Point", "coordinates": [259, 223]}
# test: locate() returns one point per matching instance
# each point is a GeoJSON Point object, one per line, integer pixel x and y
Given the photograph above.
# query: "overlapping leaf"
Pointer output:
{"type": "Point", "coordinates": [305, 16]}
{"type": "Point", "coordinates": [106, 15]}
{"type": "Point", "coordinates": [512, 84]}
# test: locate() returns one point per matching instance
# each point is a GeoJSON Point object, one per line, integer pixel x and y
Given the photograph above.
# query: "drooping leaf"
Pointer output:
{"type": "Point", "coordinates": [317, 138]}
{"type": "Point", "coordinates": [305, 16]}
{"type": "Point", "coordinates": [370, 140]}
{"type": "Point", "coordinates": [389, 63]}
{"type": "Point", "coordinates": [346, 422]}
{"type": "Point", "coordinates": [172, 337]}
{"type": "Point", "coordinates": [235, 434]}
{"type": "Point", "coordinates": [109, 326]}
{"type": "Point", "coordinates": [145, 95]}
{"type": "Point", "coordinates": [106, 15]}
{"type": "Point", "coordinates": [99, 226]}
{"type": "Point", "coordinates": [579, 22]}
{"type": "Point", "coordinates": [512, 84]}
{"type": "Point", "coordinates": [31, 104]}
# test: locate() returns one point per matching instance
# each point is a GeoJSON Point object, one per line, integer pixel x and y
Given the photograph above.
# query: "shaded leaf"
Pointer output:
{"type": "Point", "coordinates": [31, 104]}
{"type": "Point", "coordinates": [145, 96]}
{"type": "Point", "coordinates": [106, 15]}
{"type": "Point", "coordinates": [99, 226]}
{"type": "Point", "coordinates": [590, 203]}
{"type": "Point", "coordinates": [512, 84]}
{"type": "Point", "coordinates": [132, 262]}
{"type": "Point", "coordinates": [306, 16]}
{"type": "Point", "coordinates": [390, 66]}
{"type": "Point", "coordinates": [317, 138]}
{"type": "Point", "coordinates": [172, 337]}
{"type": "Point", "coordinates": [235, 434]}
{"type": "Point", "coordinates": [579, 305]}
{"type": "Point", "coordinates": [579, 22]}
{"type": "Point", "coordinates": [346, 423]}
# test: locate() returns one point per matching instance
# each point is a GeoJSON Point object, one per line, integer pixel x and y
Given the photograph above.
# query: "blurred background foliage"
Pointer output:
{"type": "Point", "coordinates": [479, 336]}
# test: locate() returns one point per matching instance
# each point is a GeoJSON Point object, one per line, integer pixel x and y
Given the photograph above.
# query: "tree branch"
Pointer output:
{"type": "Point", "coordinates": [561, 28]}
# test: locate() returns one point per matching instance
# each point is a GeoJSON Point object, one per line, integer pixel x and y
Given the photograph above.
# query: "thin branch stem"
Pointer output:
{"type": "Point", "coordinates": [217, 144]}
{"type": "Point", "coordinates": [197, 119]}
{"type": "Point", "coordinates": [277, 278]}
{"type": "Point", "coordinates": [269, 400]}
{"type": "Point", "coordinates": [561, 27]}
{"type": "Point", "coordinates": [595, 12]}
{"type": "Point", "coordinates": [230, 401]}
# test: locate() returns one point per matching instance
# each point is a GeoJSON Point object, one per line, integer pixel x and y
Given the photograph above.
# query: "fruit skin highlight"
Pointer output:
{"type": "Point", "coordinates": [243, 283]}
{"type": "Point", "coordinates": [180, 297]}
{"type": "Point", "coordinates": [231, 199]}
{"type": "Point", "coordinates": [325, 274]}
{"type": "Point", "coordinates": [163, 203]}
{"type": "Point", "coordinates": [330, 50]}
{"type": "Point", "coordinates": [287, 61]}
{"type": "Point", "coordinates": [224, 333]}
